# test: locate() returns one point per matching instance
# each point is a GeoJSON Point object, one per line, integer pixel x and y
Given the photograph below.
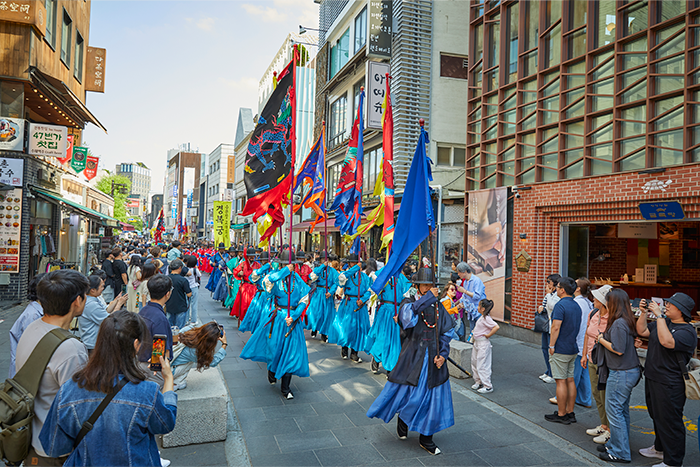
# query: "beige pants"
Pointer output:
{"type": "Point", "coordinates": [180, 373]}
{"type": "Point", "coordinates": [599, 396]}
{"type": "Point", "coordinates": [481, 361]}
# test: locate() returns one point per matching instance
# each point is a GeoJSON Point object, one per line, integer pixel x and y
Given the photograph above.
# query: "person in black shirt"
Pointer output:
{"type": "Point", "coordinates": [120, 271]}
{"type": "Point", "coordinates": [671, 343]}
{"type": "Point", "coordinates": [108, 292]}
{"type": "Point", "coordinates": [178, 304]}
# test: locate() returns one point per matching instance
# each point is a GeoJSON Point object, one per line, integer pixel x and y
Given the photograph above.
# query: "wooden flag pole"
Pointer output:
{"type": "Point", "coordinates": [291, 182]}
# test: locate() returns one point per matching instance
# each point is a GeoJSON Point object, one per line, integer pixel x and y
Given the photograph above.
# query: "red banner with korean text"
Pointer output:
{"type": "Point", "coordinates": [91, 167]}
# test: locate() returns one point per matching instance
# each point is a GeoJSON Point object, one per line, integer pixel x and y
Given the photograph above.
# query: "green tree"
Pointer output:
{"type": "Point", "coordinates": [137, 223]}
{"type": "Point", "coordinates": [119, 195]}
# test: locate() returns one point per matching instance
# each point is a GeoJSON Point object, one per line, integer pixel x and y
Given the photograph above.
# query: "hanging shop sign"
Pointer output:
{"type": "Point", "coordinates": [69, 150]}
{"type": "Point", "coordinates": [32, 12]}
{"type": "Point", "coordinates": [91, 167]}
{"type": "Point", "coordinates": [376, 85]}
{"type": "Point", "coordinates": [662, 210]}
{"type": "Point", "coordinates": [636, 230]}
{"type": "Point", "coordinates": [95, 69]}
{"type": "Point", "coordinates": [79, 159]}
{"type": "Point", "coordinates": [10, 231]}
{"type": "Point", "coordinates": [222, 222]}
{"type": "Point", "coordinates": [12, 171]}
{"type": "Point", "coordinates": [380, 17]}
{"type": "Point", "coordinates": [133, 202]}
{"type": "Point", "coordinates": [47, 140]}
{"type": "Point", "coordinates": [11, 134]}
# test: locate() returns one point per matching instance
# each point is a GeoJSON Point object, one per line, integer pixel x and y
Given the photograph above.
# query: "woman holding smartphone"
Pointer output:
{"type": "Point", "coordinates": [197, 346]}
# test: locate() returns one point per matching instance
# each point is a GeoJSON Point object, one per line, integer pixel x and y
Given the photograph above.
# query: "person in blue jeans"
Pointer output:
{"type": "Point", "coordinates": [473, 291]}
{"type": "Point", "coordinates": [124, 434]}
{"type": "Point", "coordinates": [623, 364]}
{"type": "Point", "coordinates": [583, 382]}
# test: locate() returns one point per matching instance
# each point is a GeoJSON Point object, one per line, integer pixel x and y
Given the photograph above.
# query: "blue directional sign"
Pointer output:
{"type": "Point", "coordinates": [662, 211]}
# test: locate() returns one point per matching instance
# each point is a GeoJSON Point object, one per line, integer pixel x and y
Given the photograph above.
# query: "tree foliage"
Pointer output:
{"type": "Point", "coordinates": [105, 186]}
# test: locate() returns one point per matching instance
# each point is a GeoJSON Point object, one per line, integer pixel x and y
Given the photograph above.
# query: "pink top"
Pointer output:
{"type": "Point", "coordinates": [484, 325]}
{"type": "Point", "coordinates": [596, 325]}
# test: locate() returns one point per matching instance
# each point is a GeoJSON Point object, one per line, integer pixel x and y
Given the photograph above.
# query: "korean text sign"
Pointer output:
{"type": "Point", "coordinates": [380, 24]}
{"type": "Point", "coordinates": [47, 140]}
{"type": "Point", "coordinates": [222, 222]}
{"type": "Point", "coordinates": [376, 84]}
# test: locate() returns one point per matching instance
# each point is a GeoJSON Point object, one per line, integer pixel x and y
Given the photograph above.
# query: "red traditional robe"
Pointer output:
{"type": "Point", "coordinates": [304, 271]}
{"type": "Point", "coordinates": [246, 291]}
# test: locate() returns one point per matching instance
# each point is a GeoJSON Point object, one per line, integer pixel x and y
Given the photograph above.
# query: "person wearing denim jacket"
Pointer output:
{"type": "Point", "coordinates": [124, 434]}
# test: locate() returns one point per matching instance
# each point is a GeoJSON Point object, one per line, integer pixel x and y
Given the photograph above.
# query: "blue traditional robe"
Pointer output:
{"type": "Point", "coordinates": [351, 323]}
{"type": "Point", "coordinates": [321, 311]}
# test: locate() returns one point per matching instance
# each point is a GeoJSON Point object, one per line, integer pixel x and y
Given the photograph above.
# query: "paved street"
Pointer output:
{"type": "Point", "coordinates": [326, 424]}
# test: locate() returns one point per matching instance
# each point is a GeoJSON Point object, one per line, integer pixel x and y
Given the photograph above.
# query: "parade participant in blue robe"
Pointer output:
{"type": "Point", "coordinates": [321, 310]}
{"type": "Point", "coordinates": [280, 341]}
{"type": "Point", "coordinates": [222, 288]}
{"type": "Point", "coordinates": [252, 316]}
{"type": "Point", "coordinates": [418, 389]}
{"type": "Point", "coordinates": [351, 323]}
{"type": "Point", "coordinates": [384, 337]}
{"type": "Point", "coordinates": [233, 283]}
{"type": "Point", "coordinates": [216, 272]}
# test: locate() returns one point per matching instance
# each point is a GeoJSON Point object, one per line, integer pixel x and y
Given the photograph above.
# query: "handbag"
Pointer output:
{"type": "Point", "coordinates": [135, 283]}
{"type": "Point", "coordinates": [541, 322]}
{"type": "Point", "coordinates": [691, 377]}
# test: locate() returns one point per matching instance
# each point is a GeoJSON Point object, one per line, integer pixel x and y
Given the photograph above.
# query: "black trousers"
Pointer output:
{"type": "Point", "coordinates": [665, 404]}
{"type": "Point", "coordinates": [286, 380]}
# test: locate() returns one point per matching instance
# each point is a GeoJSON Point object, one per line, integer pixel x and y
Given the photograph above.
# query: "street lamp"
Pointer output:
{"type": "Point", "coordinates": [302, 29]}
{"type": "Point", "coordinates": [122, 188]}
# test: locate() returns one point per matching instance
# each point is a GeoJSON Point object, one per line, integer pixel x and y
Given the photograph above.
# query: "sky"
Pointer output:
{"type": "Point", "coordinates": [178, 71]}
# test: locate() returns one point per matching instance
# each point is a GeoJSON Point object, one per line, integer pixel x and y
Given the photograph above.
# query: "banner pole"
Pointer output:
{"type": "Point", "coordinates": [291, 170]}
{"type": "Point", "coordinates": [325, 198]}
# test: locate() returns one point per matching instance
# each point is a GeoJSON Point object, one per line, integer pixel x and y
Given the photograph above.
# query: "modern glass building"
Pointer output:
{"type": "Point", "coordinates": [576, 88]}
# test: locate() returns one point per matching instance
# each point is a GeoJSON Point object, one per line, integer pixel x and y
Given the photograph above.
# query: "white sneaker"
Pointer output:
{"type": "Point", "coordinates": [164, 462]}
{"type": "Point", "coordinates": [553, 400]}
{"type": "Point", "coordinates": [663, 464]}
{"type": "Point", "coordinates": [485, 390]}
{"type": "Point", "coordinates": [542, 376]}
{"type": "Point", "coordinates": [603, 438]}
{"type": "Point", "coordinates": [596, 431]}
{"type": "Point", "coordinates": [476, 386]}
{"type": "Point", "coordinates": [289, 396]}
{"type": "Point", "coordinates": [651, 452]}
{"type": "Point", "coordinates": [549, 380]}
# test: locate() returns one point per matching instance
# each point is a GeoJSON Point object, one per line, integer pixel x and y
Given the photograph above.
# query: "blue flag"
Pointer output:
{"type": "Point", "coordinates": [415, 216]}
{"type": "Point", "coordinates": [312, 176]}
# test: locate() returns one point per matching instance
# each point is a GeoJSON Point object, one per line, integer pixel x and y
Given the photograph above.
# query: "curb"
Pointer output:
{"type": "Point", "coordinates": [235, 447]}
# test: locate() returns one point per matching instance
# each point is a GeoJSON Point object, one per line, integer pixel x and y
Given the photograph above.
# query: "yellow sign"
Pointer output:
{"type": "Point", "coordinates": [222, 223]}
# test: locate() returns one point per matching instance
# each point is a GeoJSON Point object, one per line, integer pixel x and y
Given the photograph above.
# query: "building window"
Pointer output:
{"type": "Point", "coordinates": [450, 156]}
{"type": "Point", "coordinates": [356, 100]}
{"type": "Point", "coordinates": [360, 30]}
{"type": "Point", "coordinates": [453, 66]}
{"type": "Point", "coordinates": [371, 166]}
{"type": "Point", "coordinates": [66, 42]}
{"type": "Point", "coordinates": [11, 99]}
{"type": "Point", "coordinates": [338, 120]}
{"type": "Point", "coordinates": [79, 45]}
{"type": "Point", "coordinates": [51, 23]}
{"type": "Point", "coordinates": [340, 54]}
{"type": "Point", "coordinates": [333, 179]}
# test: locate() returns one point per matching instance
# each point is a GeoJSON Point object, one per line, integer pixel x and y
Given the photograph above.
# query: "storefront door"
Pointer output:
{"type": "Point", "coordinates": [575, 249]}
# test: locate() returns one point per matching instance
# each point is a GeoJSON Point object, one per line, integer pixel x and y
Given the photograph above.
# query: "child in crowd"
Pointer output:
{"type": "Point", "coordinates": [481, 351]}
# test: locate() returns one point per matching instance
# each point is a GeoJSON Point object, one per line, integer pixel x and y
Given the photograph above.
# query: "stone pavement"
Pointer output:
{"type": "Point", "coordinates": [326, 423]}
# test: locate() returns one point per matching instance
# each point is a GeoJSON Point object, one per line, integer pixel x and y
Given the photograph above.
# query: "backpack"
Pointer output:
{"type": "Point", "coordinates": [17, 399]}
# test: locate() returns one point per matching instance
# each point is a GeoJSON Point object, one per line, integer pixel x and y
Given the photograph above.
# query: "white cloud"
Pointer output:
{"type": "Point", "coordinates": [242, 84]}
{"type": "Point", "coordinates": [267, 14]}
{"type": "Point", "coordinates": [206, 24]}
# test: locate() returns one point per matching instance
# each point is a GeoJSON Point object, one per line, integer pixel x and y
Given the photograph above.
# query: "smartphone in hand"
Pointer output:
{"type": "Point", "coordinates": [158, 350]}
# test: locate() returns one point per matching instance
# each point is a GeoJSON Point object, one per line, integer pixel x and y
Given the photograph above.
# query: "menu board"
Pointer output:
{"type": "Point", "coordinates": [10, 229]}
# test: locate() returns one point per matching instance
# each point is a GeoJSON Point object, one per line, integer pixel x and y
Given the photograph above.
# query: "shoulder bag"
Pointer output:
{"type": "Point", "coordinates": [541, 322]}
{"type": "Point", "coordinates": [90, 422]}
{"type": "Point", "coordinates": [691, 377]}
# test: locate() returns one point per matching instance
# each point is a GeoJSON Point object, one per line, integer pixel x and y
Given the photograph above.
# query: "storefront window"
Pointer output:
{"type": "Point", "coordinates": [11, 99]}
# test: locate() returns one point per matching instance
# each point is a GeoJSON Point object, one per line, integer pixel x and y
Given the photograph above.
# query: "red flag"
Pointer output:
{"type": "Point", "coordinates": [388, 164]}
{"type": "Point", "coordinates": [69, 150]}
{"type": "Point", "coordinates": [91, 167]}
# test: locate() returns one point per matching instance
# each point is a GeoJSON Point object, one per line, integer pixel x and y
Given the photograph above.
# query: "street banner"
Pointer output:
{"type": "Point", "coordinates": [487, 242]}
{"type": "Point", "coordinates": [69, 150]}
{"type": "Point", "coordinates": [222, 222]}
{"type": "Point", "coordinates": [79, 159]}
{"type": "Point", "coordinates": [91, 167]}
{"type": "Point", "coordinates": [11, 134]}
{"type": "Point", "coordinates": [47, 140]}
{"type": "Point", "coordinates": [312, 177]}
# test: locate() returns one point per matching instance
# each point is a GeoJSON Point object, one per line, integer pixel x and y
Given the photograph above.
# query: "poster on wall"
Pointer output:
{"type": "Point", "coordinates": [487, 242]}
{"type": "Point", "coordinates": [12, 171]}
{"type": "Point", "coordinates": [11, 134]}
{"type": "Point", "coordinates": [10, 229]}
{"type": "Point", "coordinates": [47, 140]}
{"type": "Point", "coordinates": [637, 230]}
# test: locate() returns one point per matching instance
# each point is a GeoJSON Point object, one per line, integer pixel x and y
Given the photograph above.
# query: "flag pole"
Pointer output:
{"type": "Point", "coordinates": [325, 200]}
{"type": "Point", "coordinates": [291, 170]}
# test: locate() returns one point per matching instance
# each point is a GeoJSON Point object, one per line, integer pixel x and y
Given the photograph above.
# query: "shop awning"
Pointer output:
{"type": "Point", "coordinates": [126, 227]}
{"type": "Point", "coordinates": [54, 197]}
{"type": "Point", "coordinates": [50, 85]}
{"type": "Point", "coordinates": [240, 226]}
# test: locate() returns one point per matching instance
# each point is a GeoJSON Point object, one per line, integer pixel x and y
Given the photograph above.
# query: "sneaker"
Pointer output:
{"type": "Point", "coordinates": [178, 387]}
{"type": "Point", "coordinates": [603, 438]}
{"type": "Point", "coordinates": [663, 464]}
{"type": "Point", "coordinates": [606, 456]}
{"type": "Point", "coordinates": [601, 448]}
{"type": "Point", "coordinates": [485, 390]}
{"type": "Point", "coordinates": [434, 450]}
{"type": "Point", "coordinates": [344, 353]}
{"type": "Point", "coordinates": [375, 366]}
{"type": "Point", "coordinates": [549, 380]}
{"type": "Point", "coordinates": [313, 334]}
{"type": "Point", "coordinates": [553, 400]}
{"type": "Point", "coordinates": [572, 417]}
{"type": "Point", "coordinates": [164, 462]}
{"type": "Point", "coordinates": [289, 396]}
{"type": "Point", "coordinates": [354, 357]}
{"type": "Point", "coordinates": [596, 431]}
{"type": "Point", "coordinates": [476, 386]}
{"type": "Point", "coordinates": [324, 338]}
{"type": "Point", "coordinates": [542, 376]}
{"type": "Point", "coordinates": [555, 418]}
{"type": "Point", "coordinates": [651, 452]}
{"type": "Point", "coordinates": [271, 378]}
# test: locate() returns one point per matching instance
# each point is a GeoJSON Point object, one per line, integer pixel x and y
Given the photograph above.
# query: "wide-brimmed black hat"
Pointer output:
{"type": "Point", "coordinates": [424, 276]}
{"type": "Point", "coordinates": [222, 246]}
{"type": "Point", "coordinates": [283, 257]}
{"type": "Point", "coordinates": [683, 302]}
{"type": "Point", "coordinates": [264, 256]}
{"type": "Point", "coordinates": [232, 249]}
{"type": "Point", "coordinates": [251, 252]}
{"type": "Point", "coordinates": [351, 258]}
